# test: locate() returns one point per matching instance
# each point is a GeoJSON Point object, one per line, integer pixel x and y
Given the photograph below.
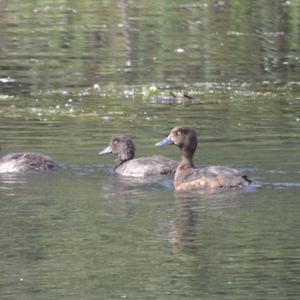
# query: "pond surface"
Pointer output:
{"type": "Point", "coordinates": [74, 73]}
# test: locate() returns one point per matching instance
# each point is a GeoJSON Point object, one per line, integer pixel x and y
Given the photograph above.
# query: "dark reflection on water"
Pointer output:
{"type": "Point", "coordinates": [86, 233]}
{"type": "Point", "coordinates": [74, 73]}
{"type": "Point", "coordinates": [189, 208]}
{"type": "Point", "coordinates": [226, 241]}
{"type": "Point", "coordinates": [140, 42]}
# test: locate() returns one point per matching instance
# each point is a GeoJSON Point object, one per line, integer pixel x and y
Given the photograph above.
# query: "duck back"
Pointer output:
{"type": "Point", "coordinates": [212, 177]}
{"type": "Point", "coordinates": [26, 161]}
{"type": "Point", "coordinates": [147, 166]}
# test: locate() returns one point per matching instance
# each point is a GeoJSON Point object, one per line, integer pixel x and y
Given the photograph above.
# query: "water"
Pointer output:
{"type": "Point", "coordinates": [73, 74]}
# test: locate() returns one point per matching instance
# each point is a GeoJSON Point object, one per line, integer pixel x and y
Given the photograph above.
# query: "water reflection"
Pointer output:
{"type": "Point", "coordinates": [73, 73]}
{"type": "Point", "coordinates": [190, 208]}
{"type": "Point", "coordinates": [119, 187]}
{"type": "Point", "coordinates": [221, 42]}
{"type": "Point", "coordinates": [9, 182]}
{"type": "Point", "coordinates": [18, 184]}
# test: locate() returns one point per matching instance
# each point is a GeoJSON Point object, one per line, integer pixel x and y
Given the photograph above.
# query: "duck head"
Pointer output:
{"type": "Point", "coordinates": [184, 137]}
{"type": "Point", "coordinates": [122, 146]}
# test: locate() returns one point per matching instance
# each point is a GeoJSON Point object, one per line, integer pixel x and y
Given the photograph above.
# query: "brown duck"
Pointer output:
{"type": "Point", "coordinates": [26, 161]}
{"type": "Point", "coordinates": [127, 165]}
{"type": "Point", "coordinates": [188, 177]}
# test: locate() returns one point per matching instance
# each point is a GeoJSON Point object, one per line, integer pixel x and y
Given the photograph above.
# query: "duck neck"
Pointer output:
{"type": "Point", "coordinates": [123, 157]}
{"type": "Point", "coordinates": [185, 164]}
{"type": "Point", "coordinates": [186, 158]}
{"type": "Point", "coordinates": [120, 161]}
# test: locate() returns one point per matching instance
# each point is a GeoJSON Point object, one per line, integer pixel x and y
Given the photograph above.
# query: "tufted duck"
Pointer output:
{"type": "Point", "coordinates": [187, 177]}
{"type": "Point", "coordinates": [25, 161]}
{"type": "Point", "coordinates": [127, 165]}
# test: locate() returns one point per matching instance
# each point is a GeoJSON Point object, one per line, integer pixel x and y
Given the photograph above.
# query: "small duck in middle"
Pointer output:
{"type": "Point", "coordinates": [127, 165]}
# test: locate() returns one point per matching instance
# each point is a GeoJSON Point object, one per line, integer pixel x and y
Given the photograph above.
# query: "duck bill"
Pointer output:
{"type": "Point", "coordinates": [105, 151]}
{"type": "Point", "coordinates": [166, 141]}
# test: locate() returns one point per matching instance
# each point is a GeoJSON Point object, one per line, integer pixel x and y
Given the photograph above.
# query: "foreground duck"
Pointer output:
{"type": "Point", "coordinates": [127, 165]}
{"type": "Point", "coordinates": [26, 161]}
{"type": "Point", "coordinates": [187, 177]}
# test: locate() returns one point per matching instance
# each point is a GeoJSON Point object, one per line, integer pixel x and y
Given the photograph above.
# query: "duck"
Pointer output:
{"type": "Point", "coordinates": [188, 177]}
{"type": "Point", "coordinates": [26, 161]}
{"type": "Point", "coordinates": [128, 165]}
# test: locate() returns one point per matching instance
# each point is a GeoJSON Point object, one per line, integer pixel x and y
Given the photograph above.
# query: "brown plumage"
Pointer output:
{"type": "Point", "coordinates": [187, 177]}
{"type": "Point", "coordinates": [25, 161]}
{"type": "Point", "coordinates": [127, 165]}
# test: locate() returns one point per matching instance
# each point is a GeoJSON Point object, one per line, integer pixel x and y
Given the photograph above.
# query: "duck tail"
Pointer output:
{"type": "Point", "coordinates": [245, 177]}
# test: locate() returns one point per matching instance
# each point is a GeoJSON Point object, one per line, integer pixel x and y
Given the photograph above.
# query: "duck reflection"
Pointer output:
{"type": "Point", "coordinates": [191, 218]}
{"type": "Point", "coordinates": [120, 188]}
{"type": "Point", "coordinates": [183, 234]}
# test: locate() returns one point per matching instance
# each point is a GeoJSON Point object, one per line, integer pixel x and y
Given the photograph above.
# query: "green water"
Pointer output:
{"type": "Point", "coordinates": [72, 73]}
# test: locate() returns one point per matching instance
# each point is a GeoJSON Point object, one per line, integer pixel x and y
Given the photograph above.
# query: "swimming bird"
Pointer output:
{"type": "Point", "coordinates": [26, 161]}
{"type": "Point", "coordinates": [188, 177]}
{"type": "Point", "coordinates": [127, 165]}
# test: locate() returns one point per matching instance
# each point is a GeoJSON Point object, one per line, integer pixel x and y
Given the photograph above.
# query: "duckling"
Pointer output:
{"type": "Point", "coordinates": [25, 161]}
{"type": "Point", "coordinates": [127, 165]}
{"type": "Point", "coordinates": [188, 177]}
